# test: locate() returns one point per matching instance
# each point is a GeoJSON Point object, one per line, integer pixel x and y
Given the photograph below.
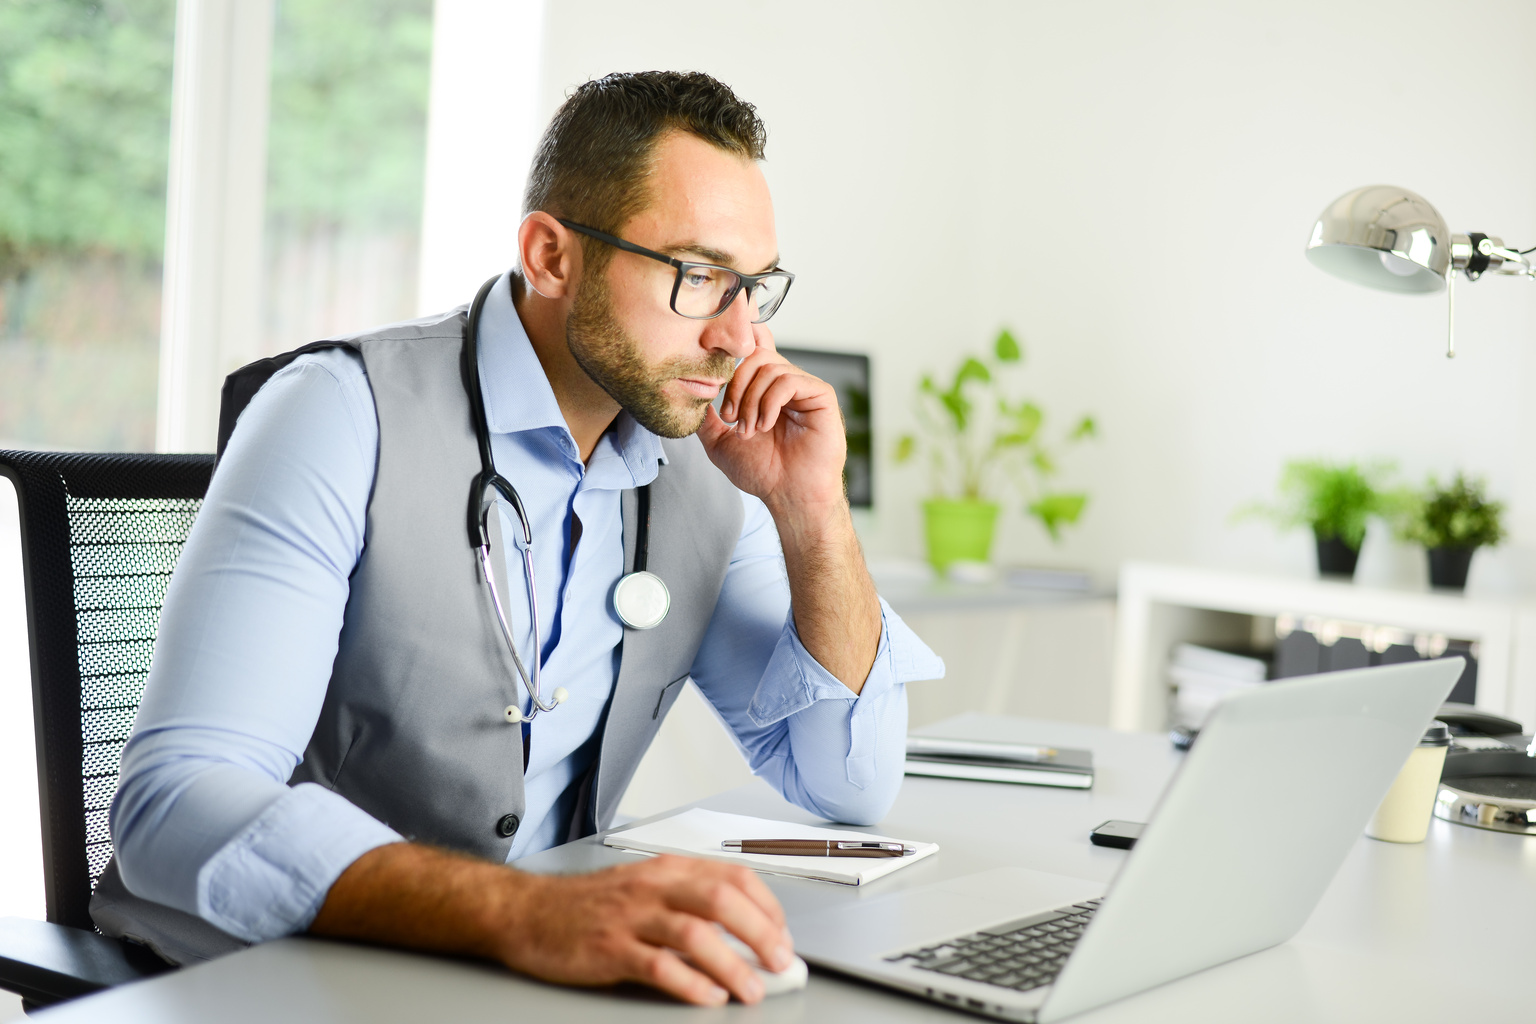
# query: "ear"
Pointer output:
{"type": "Point", "coordinates": [549, 254]}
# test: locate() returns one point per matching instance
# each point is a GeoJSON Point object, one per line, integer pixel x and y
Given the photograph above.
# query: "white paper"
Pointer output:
{"type": "Point", "coordinates": [699, 833]}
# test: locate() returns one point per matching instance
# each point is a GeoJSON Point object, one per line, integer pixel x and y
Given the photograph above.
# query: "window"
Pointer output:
{"type": "Point", "coordinates": [346, 149]}
{"type": "Point", "coordinates": [85, 96]}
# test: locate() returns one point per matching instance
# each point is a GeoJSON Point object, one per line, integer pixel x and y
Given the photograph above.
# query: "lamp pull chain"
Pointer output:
{"type": "Point", "coordinates": [1450, 321]}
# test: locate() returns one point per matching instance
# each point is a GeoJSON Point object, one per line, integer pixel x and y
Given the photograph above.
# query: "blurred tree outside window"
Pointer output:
{"type": "Point", "coordinates": [346, 151]}
{"type": "Point", "coordinates": [85, 101]}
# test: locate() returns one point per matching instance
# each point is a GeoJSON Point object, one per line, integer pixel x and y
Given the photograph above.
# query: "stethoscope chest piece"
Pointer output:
{"type": "Point", "coordinates": [641, 600]}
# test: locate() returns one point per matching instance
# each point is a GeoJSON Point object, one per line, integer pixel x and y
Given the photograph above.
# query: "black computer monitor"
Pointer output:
{"type": "Point", "coordinates": [848, 373]}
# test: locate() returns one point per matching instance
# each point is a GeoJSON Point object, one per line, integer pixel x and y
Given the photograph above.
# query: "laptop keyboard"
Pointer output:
{"type": "Point", "coordinates": [1020, 955]}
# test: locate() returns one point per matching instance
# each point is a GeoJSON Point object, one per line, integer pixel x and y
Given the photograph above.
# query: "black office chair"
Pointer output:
{"type": "Point", "coordinates": [100, 536]}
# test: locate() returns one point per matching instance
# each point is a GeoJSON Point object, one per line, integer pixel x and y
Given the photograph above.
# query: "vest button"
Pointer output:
{"type": "Point", "coordinates": [506, 827]}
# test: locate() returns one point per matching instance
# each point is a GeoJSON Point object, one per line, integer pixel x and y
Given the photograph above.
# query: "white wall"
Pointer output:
{"type": "Point", "coordinates": [21, 841]}
{"type": "Point", "coordinates": [1130, 186]}
{"type": "Point", "coordinates": [483, 120]}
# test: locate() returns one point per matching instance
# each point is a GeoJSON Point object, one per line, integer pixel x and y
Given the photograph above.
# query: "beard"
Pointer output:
{"type": "Point", "coordinates": [614, 361]}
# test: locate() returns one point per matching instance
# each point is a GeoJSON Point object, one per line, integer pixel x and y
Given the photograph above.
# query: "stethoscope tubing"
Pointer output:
{"type": "Point", "coordinates": [482, 507]}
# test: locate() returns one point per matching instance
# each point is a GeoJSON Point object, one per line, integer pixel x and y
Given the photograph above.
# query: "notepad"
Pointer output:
{"type": "Point", "coordinates": [699, 833]}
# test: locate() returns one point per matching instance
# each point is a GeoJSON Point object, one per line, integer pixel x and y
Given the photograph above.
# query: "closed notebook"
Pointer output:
{"type": "Point", "coordinates": [699, 833]}
{"type": "Point", "coordinates": [983, 761]}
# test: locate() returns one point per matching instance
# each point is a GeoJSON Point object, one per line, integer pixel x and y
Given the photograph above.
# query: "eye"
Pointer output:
{"type": "Point", "coordinates": [699, 277]}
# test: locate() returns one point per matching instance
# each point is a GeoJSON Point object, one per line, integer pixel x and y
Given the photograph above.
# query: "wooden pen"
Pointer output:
{"type": "Point", "coordinates": [816, 847]}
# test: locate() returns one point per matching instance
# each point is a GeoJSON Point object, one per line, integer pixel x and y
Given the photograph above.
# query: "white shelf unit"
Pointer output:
{"type": "Point", "coordinates": [1162, 605]}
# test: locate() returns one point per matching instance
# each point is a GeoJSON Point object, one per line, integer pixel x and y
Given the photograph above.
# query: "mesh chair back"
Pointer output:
{"type": "Point", "coordinates": [100, 537]}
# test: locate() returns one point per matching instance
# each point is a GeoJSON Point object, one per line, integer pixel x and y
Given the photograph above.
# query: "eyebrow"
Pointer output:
{"type": "Point", "coordinates": [710, 255]}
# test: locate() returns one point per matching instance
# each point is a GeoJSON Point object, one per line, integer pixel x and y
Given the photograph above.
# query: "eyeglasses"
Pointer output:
{"type": "Point", "coordinates": [702, 291]}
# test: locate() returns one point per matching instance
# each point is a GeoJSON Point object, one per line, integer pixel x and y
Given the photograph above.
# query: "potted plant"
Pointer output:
{"type": "Point", "coordinates": [975, 435]}
{"type": "Point", "coordinates": [1452, 523]}
{"type": "Point", "coordinates": [1335, 501]}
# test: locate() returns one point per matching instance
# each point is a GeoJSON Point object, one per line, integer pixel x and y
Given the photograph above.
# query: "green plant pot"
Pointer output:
{"type": "Point", "coordinates": [958, 531]}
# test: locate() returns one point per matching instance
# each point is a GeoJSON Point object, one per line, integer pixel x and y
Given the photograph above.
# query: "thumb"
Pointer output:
{"type": "Point", "coordinates": [713, 430]}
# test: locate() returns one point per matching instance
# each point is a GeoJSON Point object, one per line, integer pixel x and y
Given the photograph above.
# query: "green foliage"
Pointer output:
{"type": "Point", "coordinates": [1058, 510]}
{"type": "Point", "coordinates": [975, 433]}
{"type": "Point", "coordinates": [349, 112]}
{"type": "Point", "coordinates": [85, 105]}
{"type": "Point", "coordinates": [1332, 499]}
{"type": "Point", "coordinates": [1458, 516]}
{"type": "Point", "coordinates": [85, 108]}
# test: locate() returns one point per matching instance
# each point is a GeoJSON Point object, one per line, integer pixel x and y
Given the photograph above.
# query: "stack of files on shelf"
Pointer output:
{"type": "Point", "coordinates": [1202, 676]}
{"type": "Point", "coordinates": [986, 761]}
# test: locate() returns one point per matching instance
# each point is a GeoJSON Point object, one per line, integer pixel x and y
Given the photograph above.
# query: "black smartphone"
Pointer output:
{"type": "Point", "coordinates": [1119, 834]}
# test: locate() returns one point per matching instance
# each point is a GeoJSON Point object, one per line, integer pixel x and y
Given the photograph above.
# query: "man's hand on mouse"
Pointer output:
{"type": "Point", "coordinates": [652, 921]}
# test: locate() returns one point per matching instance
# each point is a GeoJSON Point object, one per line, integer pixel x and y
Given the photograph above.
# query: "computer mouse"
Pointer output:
{"type": "Point", "coordinates": [790, 979]}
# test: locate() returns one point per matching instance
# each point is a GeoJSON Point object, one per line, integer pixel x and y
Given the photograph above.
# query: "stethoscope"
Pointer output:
{"type": "Point", "coordinates": [640, 599]}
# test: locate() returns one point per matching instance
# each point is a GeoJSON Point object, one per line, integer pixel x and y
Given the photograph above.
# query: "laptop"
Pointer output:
{"type": "Point", "coordinates": [1237, 853]}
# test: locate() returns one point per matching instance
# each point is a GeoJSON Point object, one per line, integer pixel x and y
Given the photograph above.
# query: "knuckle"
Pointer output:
{"type": "Point", "coordinates": [653, 966]}
{"type": "Point", "coordinates": [693, 932]}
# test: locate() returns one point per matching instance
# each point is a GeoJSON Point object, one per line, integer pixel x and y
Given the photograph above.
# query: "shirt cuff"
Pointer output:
{"type": "Point", "coordinates": [794, 679]}
{"type": "Point", "coordinates": [271, 879]}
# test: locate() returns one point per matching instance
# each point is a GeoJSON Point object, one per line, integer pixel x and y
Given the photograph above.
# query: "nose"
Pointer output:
{"type": "Point", "coordinates": [731, 331]}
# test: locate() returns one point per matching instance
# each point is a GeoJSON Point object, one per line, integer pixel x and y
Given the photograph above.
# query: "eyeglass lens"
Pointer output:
{"type": "Point", "coordinates": [704, 291]}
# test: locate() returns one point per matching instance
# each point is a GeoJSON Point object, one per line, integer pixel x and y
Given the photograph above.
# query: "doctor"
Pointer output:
{"type": "Point", "coordinates": [334, 737]}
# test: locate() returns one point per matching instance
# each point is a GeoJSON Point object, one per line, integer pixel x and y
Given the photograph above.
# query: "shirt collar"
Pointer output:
{"type": "Point", "coordinates": [518, 396]}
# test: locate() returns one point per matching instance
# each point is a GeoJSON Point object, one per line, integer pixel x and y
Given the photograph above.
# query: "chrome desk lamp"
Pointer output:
{"type": "Point", "coordinates": [1391, 239]}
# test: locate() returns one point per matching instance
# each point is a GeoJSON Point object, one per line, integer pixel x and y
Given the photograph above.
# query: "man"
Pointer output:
{"type": "Point", "coordinates": [322, 744]}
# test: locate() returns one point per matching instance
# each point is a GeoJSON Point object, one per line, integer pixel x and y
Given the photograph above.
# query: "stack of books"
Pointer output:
{"type": "Point", "coordinates": [986, 761]}
{"type": "Point", "coordinates": [1201, 676]}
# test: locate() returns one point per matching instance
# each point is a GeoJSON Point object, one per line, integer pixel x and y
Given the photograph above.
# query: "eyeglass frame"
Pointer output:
{"type": "Point", "coordinates": [743, 281]}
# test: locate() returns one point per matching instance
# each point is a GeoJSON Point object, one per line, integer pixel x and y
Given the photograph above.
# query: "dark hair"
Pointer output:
{"type": "Point", "coordinates": [593, 160]}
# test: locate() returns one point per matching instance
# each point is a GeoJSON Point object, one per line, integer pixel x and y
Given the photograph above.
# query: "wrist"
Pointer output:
{"type": "Point", "coordinates": [810, 521]}
{"type": "Point", "coordinates": [503, 924]}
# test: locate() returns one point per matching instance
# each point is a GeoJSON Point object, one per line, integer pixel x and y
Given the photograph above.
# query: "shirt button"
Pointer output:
{"type": "Point", "coordinates": [507, 826]}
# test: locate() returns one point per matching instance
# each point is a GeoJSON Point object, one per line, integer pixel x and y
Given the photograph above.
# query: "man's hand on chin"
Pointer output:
{"type": "Point", "coordinates": [779, 435]}
{"type": "Point", "coordinates": [787, 446]}
{"type": "Point", "coordinates": [654, 921]}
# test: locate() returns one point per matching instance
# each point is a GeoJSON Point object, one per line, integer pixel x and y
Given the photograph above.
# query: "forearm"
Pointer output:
{"type": "Point", "coordinates": [652, 921]}
{"type": "Point", "coordinates": [420, 897]}
{"type": "Point", "coordinates": [833, 599]}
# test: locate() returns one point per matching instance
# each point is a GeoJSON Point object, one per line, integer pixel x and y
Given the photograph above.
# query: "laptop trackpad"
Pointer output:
{"type": "Point", "coordinates": [934, 912]}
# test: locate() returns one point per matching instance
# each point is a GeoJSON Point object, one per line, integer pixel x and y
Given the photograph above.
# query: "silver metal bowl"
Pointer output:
{"type": "Point", "coordinates": [1492, 789]}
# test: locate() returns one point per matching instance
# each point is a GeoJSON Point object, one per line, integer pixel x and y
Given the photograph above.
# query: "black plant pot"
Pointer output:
{"type": "Point", "coordinates": [1448, 567]}
{"type": "Point", "coordinates": [1336, 558]}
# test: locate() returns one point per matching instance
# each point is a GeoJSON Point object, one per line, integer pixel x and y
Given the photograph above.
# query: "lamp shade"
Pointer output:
{"type": "Point", "coordinates": [1383, 237]}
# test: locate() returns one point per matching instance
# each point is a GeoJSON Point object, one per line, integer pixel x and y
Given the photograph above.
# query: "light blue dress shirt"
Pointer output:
{"type": "Point", "coordinates": [203, 819]}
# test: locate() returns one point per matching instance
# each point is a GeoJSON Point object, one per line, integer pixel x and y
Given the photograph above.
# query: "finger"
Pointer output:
{"type": "Point", "coordinates": [786, 389]}
{"type": "Point", "coordinates": [749, 411]}
{"type": "Point", "coordinates": [663, 969]}
{"type": "Point", "coordinates": [713, 429]}
{"type": "Point", "coordinates": [764, 338]}
{"type": "Point", "coordinates": [700, 942]}
{"type": "Point", "coordinates": [764, 354]}
{"type": "Point", "coordinates": [726, 901]}
{"type": "Point", "coordinates": [729, 405]}
{"type": "Point", "coordinates": [758, 892]}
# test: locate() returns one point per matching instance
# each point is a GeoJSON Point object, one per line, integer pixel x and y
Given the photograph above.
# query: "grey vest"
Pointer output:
{"type": "Point", "coordinates": [412, 729]}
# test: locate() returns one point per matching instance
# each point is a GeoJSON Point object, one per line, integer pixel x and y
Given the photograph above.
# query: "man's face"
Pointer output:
{"type": "Point", "coordinates": [706, 205]}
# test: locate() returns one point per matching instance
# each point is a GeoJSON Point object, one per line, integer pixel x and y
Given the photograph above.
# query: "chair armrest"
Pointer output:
{"type": "Point", "coordinates": [47, 963]}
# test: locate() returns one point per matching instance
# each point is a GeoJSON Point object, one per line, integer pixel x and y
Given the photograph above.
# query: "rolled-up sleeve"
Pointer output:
{"type": "Point", "coordinates": [834, 753]}
{"type": "Point", "coordinates": [203, 820]}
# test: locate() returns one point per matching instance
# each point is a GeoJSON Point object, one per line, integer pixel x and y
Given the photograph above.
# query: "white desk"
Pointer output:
{"type": "Point", "coordinates": [1445, 930]}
